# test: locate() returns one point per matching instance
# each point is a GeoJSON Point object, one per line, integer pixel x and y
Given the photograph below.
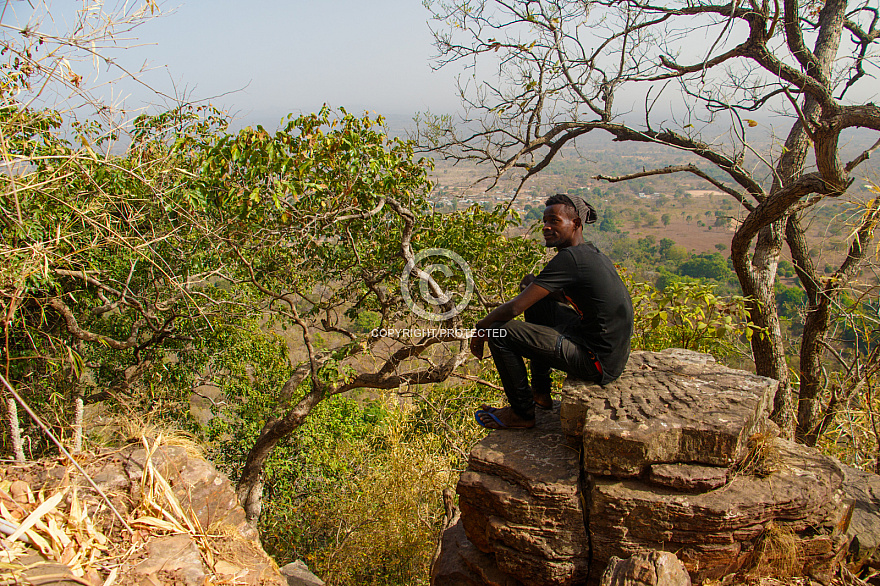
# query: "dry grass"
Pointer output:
{"type": "Point", "coordinates": [762, 458]}
{"type": "Point", "coordinates": [66, 528]}
{"type": "Point", "coordinates": [759, 581]}
{"type": "Point", "coordinates": [130, 428]}
{"type": "Point", "coordinates": [777, 554]}
{"type": "Point", "coordinates": [852, 436]}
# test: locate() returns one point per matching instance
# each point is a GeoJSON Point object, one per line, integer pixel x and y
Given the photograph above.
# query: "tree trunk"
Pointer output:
{"type": "Point", "coordinates": [815, 326]}
{"type": "Point", "coordinates": [821, 296]}
{"type": "Point", "coordinates": [250, 485]}
{"type": "Point", "coordinates": [757, 279]}
{"type": "Point", "coordinates": [78, 409]}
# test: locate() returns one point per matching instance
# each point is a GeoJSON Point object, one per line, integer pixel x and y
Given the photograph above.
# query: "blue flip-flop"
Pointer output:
{"type": "Point", "coordinates": [490, 414]}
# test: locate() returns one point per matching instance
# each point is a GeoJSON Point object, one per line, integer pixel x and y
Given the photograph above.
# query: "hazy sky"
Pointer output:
{"type": "Point", "coordinates": [264, 59]}
{"type": "Point", "coordinates": [293, 56]}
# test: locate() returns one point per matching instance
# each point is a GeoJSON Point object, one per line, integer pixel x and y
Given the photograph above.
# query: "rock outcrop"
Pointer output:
{"type": "Point", "coordinates": [675, 456]}
{"type": "Point", "coordinates": [520, 500]}
{"type": "Point", "coordinates": [183, 523]}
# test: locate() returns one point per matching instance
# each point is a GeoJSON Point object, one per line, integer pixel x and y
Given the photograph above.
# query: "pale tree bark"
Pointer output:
{"type": "Point", "coordinates": [78, 414]}
{"type": "Point", "coordinates": [12, 425]}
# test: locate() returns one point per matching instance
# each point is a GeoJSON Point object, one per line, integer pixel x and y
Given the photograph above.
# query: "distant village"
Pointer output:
{"type": "Point", "coordinates": [460, 197]}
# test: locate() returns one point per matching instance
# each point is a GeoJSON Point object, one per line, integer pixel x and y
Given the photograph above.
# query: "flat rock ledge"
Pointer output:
{"type": "Point", "coordinates": [676, 456]}
{"type": "Point", "coordinates": [667, 407]}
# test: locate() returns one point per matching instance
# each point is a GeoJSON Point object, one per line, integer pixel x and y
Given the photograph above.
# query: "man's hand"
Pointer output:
{"type": "Point", "coordinates": [477, 346]}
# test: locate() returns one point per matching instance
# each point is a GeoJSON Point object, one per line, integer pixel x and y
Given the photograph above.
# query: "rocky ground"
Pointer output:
{"type": "Point", "coordinates": [151, 513]}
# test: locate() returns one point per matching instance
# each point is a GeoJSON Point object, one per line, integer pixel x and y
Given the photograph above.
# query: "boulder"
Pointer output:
{"type": "Point", "coordinates": [519, 501]}
{"type": "Point", "coordinates": [297, 573]}
{"type": "Point", "coordinates": [655, 568]}
{"type": "Point", "coordinates": [667, 407]}
{"type": "Point", "coordinates": [863, 491]}
{"type": "Point", "coordinates": [716, 533]}
{"type": "Point", "coordinates": [177, 555]}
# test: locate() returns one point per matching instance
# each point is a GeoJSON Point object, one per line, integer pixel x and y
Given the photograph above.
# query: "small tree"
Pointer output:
{"type": "Point", "coordinates": [194, 234]}
{"type": "Point", "coordinates": [567, 68]}
{"type": "Point", "coordinates": [125, 271]}
{"type": "Point", "coordinates": [321, 220]}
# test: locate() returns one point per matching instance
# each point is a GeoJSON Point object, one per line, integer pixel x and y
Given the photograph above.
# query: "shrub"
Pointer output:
{"type": "Point", "coordinates": [691, 316]}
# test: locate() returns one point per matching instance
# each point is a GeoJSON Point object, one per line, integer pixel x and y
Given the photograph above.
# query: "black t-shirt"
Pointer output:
{"type": "Point", "coordinates": [590, 283]}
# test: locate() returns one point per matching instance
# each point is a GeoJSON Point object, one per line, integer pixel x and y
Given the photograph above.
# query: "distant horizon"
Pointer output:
{"type": "Point", "coordinates": [277, 58]}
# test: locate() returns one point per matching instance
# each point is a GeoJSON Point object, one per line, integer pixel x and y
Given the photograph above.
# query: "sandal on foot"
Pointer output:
{"type": "Point", "coordinates": [492, 416]}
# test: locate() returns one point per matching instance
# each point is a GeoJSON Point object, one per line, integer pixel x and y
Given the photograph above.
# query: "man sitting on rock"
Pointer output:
{"type": "Point", "coordinates": [578, 319]}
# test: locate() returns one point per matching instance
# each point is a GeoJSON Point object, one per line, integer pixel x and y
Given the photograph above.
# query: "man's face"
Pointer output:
{"type": "Point", "coordinates": [559, 227]}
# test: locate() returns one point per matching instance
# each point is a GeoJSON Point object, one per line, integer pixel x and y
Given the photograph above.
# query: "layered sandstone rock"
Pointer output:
{"type": "Point", "coordinates": [461, 564]}
{"type": "Point", "coordinates": [667, 407]}
{"type": "Point", "coordinates": [519, 500]}
{"type": "Point", "coordinates": [719, 531]}
{"type": "Point", "coordinates": [675, 456]}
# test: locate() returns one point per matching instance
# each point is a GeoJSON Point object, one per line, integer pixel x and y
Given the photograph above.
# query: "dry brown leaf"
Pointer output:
{"type": "Point", "coordinates": [111, 577]}
{"type": "Point", "coordinates": [77, 512]}
{"type": "Point", "coordinates": [5, 497]}
{"type": "Point", "coordinates": [160, 524]}
{"type": "Point", "coordinates": [68, 554]}
{"type": "Point", "coordinates": [15, 514]}
{"type": "Point", "coordinates": [40, 543]}
{"type": "Point", "coordinates": [21, 492]}
{"type": "Point", "coordinates": [7, 515]}
{"type": "Point", "coordinates": [101, 540]}
{"type": "Point", "coordinates": [93, 555]}
{"type": "Point", "coordinates": [9, 553]}
{"type": "Point", "coordinates": [99, 537]}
